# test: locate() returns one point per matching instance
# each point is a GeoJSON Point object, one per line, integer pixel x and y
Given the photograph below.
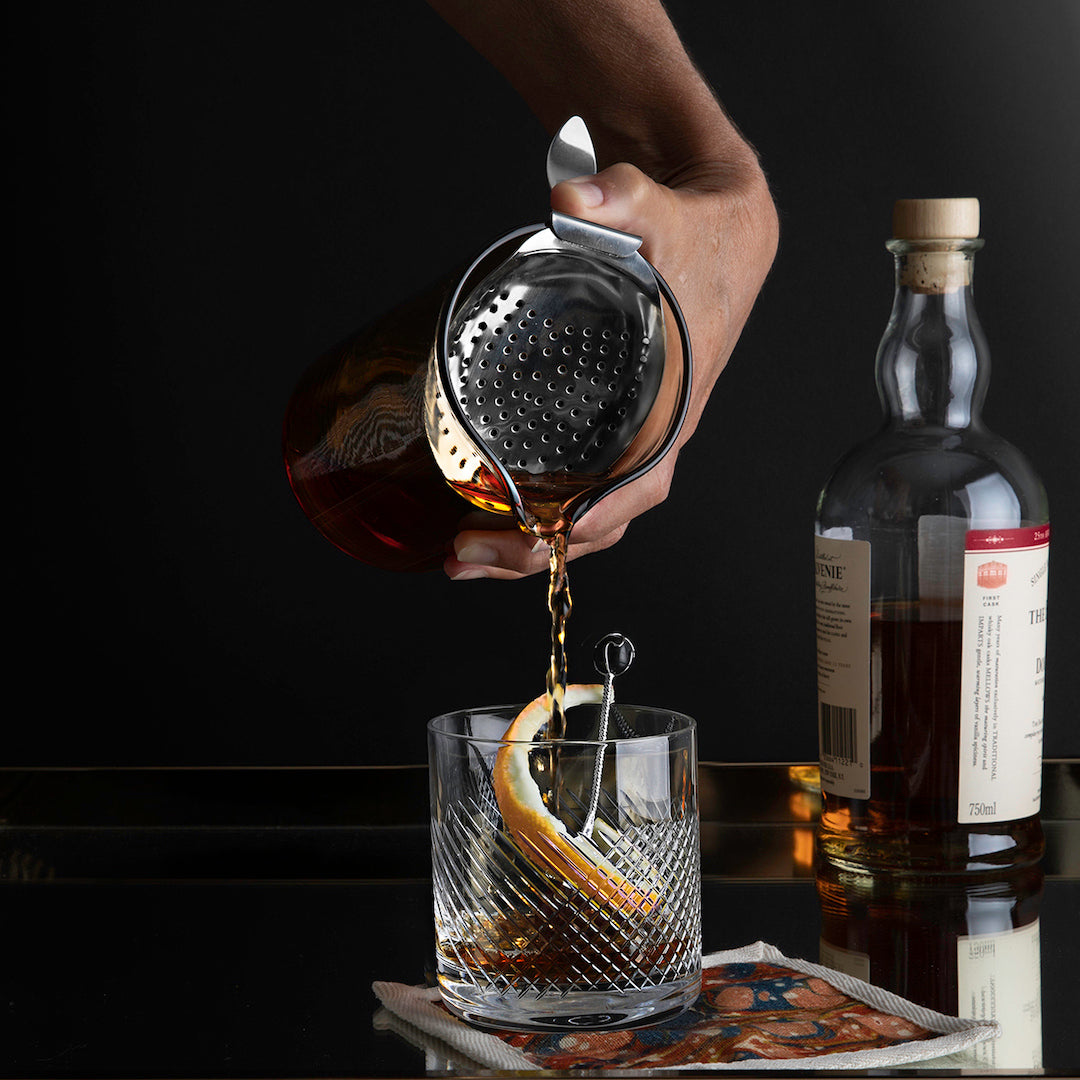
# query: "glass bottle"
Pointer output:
{"type": "Point", "coordinates": [931, 555]}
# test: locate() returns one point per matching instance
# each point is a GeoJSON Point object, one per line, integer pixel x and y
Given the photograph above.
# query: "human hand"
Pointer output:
{"type": "Point", "coordinates": [711, 232]}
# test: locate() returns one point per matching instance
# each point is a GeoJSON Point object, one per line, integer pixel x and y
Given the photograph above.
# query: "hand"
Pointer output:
{"type": "Point", "coordinates": [711, 232]}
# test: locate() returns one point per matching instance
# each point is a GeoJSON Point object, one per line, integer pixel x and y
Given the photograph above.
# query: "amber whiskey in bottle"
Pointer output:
{"type": "Point", "coordinates": [931, 549]}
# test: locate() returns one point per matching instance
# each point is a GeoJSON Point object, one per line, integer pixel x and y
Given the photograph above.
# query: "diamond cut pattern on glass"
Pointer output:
{"type": "Point", "coordinates": [507, 927]}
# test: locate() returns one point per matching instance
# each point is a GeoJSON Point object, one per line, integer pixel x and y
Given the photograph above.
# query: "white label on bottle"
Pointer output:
{"type": "Point", "coordinates": [999, 978]}
{"type": "Point", "coordinates": [1002, 672]}
{"type": "Point", "coordinates": [842, 577]}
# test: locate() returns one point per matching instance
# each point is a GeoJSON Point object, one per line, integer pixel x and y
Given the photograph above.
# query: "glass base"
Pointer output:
{"type": "Point", "coordinates": [582, 1010]}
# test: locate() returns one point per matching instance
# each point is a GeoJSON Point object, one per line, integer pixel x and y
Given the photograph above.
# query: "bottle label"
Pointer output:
{"type": "Point", "coordinates": [1002, 673]}
{"type": "Point", "coordinates": [842, 607]}
{"type": "Point", "coordinates": [998, 978]}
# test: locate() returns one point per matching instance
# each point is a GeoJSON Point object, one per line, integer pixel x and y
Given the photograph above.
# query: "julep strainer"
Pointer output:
{"type": "Point", "coordinates": [553, 381]}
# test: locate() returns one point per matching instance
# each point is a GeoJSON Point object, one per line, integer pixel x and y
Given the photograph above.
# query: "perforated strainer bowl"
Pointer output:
{"type": "Point", "coordinates": [552, 372]}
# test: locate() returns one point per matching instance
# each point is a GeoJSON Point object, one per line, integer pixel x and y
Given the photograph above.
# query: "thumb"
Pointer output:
{"type": "Point", "coordinates": [621, 197]}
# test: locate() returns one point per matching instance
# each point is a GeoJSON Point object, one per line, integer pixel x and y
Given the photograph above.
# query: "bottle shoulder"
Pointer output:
{"type": "Point", "coordinates": [903, 473]}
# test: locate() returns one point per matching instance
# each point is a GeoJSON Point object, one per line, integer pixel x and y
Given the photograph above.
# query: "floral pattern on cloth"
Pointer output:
{"type": "Point", "coordinates": [746, 1011]}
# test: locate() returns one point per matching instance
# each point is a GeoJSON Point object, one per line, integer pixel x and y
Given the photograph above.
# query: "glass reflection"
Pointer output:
{"type": "Point", "coordinates": [962, 945]}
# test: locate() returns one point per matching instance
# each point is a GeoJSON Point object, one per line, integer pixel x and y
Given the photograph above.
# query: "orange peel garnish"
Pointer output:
{"type": "Point", "coordinates": [541, 836]}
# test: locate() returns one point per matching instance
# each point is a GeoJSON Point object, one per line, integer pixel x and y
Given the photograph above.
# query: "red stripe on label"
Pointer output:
{"type": "Point", "coordinates": [1007, 539]}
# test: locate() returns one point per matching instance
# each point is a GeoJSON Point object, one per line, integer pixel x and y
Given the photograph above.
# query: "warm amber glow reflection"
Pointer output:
{"type": "Point", "coordinates": [803, 848]}
{"type": "Point", "coordinates": [807, 777]}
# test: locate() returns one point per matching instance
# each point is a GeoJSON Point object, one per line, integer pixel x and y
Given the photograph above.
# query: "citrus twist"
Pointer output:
{"type": "Point", "coordinates": [542, 837]}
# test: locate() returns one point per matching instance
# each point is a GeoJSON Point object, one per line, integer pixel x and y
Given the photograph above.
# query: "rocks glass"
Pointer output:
{"type": "Point", "coordinates": [573, 904]}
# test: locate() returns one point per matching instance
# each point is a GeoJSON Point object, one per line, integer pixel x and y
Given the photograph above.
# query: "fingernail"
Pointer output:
{"type": "Point", "coordinates": [468, 575]}
{"type": "Point", "coordinates": [480, 554]}
{"type": "Point", "coordinates": [590, 194]}
{"type": "Point", "coordinates": [540, 545]}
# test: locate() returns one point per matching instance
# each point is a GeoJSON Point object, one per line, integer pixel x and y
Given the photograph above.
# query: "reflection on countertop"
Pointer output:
{"type": "Point", "coordinates": [230, 921]}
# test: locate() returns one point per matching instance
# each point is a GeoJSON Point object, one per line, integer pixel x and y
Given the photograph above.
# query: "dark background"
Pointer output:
{"type": "Point", "coordinates": [209, 195]}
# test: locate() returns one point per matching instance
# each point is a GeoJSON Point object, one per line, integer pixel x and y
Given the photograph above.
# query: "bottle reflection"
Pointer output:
{"type": "Point", "coordinates": [960, 945]}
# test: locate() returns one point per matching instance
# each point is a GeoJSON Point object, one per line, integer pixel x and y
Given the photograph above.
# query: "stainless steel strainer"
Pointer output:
{"type": "Point", "coordinates": [553, 370]}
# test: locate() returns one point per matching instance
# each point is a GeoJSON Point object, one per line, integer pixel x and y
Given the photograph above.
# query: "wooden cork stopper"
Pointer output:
{"type": "Point", "coordinates": [936, 219]}
{"type": "Point", "coordinates": [937, 227]}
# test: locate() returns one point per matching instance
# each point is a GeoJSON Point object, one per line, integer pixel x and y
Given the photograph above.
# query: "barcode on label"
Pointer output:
{"type": "Point", "coordinates": [838, 732]}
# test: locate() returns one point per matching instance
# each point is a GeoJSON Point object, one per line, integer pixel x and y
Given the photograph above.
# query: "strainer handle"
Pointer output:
{"type": "Point", "coordinates": [571, 152]}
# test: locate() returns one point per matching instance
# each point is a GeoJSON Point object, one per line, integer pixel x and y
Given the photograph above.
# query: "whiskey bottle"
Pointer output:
{"type": "Point", "coordinates": [931, 551]}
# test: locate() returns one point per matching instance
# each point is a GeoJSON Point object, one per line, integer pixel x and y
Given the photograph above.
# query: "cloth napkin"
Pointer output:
{"type": "Point", "coordinates": [758, 1009]}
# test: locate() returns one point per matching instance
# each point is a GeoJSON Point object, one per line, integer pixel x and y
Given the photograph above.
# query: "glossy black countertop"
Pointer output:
{"type": "Point", "coordinates": [207, 922]}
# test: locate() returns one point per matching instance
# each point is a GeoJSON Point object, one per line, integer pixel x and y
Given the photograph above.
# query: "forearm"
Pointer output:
{"type": "Point", "coordinates": [619, 64]}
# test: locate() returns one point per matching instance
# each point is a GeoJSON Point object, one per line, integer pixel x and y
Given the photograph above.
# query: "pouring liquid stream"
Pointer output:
{"type": "Point", "coordinates": [544, 499]}
{"type": "Point", "coordinates": [560, 606]}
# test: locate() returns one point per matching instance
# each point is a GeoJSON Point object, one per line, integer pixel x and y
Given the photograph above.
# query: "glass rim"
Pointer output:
{"type": "Point", "coordinates": [687, 725]}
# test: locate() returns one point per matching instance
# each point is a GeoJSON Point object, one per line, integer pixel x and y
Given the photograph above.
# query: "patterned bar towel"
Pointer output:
{"type": "Point", "coordinates": [758, 1009]}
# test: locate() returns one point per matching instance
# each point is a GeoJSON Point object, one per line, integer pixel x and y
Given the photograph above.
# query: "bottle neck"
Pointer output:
{"type": "Point", "coordinates": [933, 364]}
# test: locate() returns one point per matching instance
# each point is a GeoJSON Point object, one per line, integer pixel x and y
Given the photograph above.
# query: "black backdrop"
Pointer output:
{"type": "Point", "coordinates": [208, 195]}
